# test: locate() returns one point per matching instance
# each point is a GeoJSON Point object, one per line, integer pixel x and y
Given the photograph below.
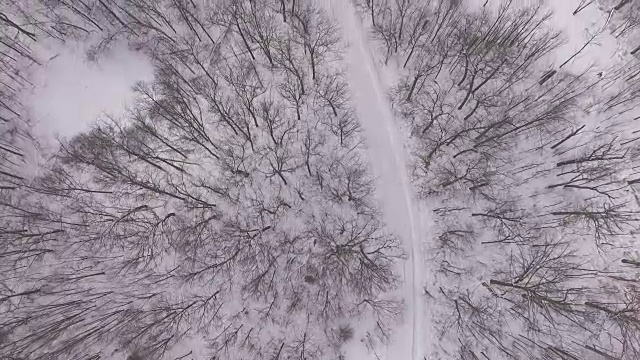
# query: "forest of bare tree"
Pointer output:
{"type": "Point", "coordinates": [532, 169]}
{"type": "Point", "coordinates": [233, 206]}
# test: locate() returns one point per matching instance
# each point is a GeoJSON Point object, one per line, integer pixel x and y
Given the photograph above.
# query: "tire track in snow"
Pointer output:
{"type": "Point", "coordinates": [387, 157]}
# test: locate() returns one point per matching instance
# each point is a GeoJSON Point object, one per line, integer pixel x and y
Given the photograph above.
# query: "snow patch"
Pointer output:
{"type": "Point", "coordinates": [69, 92]}
{"type": "Point", "coordinates": [394, 191]}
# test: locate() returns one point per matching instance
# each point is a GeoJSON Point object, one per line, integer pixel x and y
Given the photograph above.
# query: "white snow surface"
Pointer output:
{"type": "Point", "coordinates": [70, 92]}
{"type": "Point", "coordinates": [388, 158]}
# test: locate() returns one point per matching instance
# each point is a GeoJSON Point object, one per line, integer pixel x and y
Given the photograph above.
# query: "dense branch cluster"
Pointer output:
{"type": "Point", "coordinates": [230, 214]}
{"type": "Point", "coordinates": [530, 171]}
{"type": "Point", "coordinates": [231, 208]}
{"type": "Point", "coordinates": [16, 140]}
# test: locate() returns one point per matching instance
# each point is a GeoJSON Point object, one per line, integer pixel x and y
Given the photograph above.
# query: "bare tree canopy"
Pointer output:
{"type": "Point", "coordinates": [232, 205]}
{"type": "Point", "coordinates": [530, 170]}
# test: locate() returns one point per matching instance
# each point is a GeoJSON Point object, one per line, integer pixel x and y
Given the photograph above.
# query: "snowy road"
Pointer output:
{"type": "Point", "coordinates": [387, 155]}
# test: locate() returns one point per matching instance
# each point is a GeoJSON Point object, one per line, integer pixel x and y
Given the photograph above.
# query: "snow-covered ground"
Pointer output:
{"type": "Point", "coordinates": [586, 28]}
{"type": "Point", "coordinates": [588, 45]}
{"type": "Point", "coordinates": [579, 29]}
{"type": "Point", "coordinates": [388, 158]}
{"type": "Point", "coordinates": [70, 92]}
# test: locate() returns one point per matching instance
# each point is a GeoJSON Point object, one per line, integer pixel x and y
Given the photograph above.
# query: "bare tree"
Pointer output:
{"type": "Point", "coordinates": [237, 177]}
